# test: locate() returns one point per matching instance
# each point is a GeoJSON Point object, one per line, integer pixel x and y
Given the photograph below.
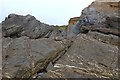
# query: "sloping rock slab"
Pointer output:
{"type": "Point", "coordinates": [23, 57]}
{"type": "Point", "coordinates": [106, 38]}
{"type": "Point", "coordinates": [17, 25]}
{"type": "Point", "coordinates": [86, 58]}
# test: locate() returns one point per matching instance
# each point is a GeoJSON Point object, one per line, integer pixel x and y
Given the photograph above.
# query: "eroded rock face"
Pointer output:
{"type": "Point", "coordinates": [86, 58]}
{"type": "Point", "coordinates": [93, 54]}
{"type": "Point", "coordinates": [25, 51]}
{"type": "Point", "coordinates": [108, 39]}
{"type": "Point", "coordinates": [22, 57]}
{"type": "Point", "coordinates": [18, 25]}
{"type": "Point", "coordinates": [58, 35]}
{"type": "Point", "coordinates": [102, 15]}
{"type": "Point", "coordinates": [102, 33]}
{"type": "Point", "coordinates": [73, 20]}
{"type": "Point", "coordinates": [98, 11]}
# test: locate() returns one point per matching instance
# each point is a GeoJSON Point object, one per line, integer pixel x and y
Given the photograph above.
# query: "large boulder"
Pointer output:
{"type": "Point", "coordinates": [86, 58]}
{"type": "Point", "coordinates": [23, 57]}
{"type": "Point", "coordinates": [18, 25]}
{"type": "Point", "coordinates": [98, 11]}
{"type": "Point", "coordinates": [100, 14]}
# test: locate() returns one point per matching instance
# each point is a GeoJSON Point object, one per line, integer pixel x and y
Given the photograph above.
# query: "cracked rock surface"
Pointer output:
{"type": "Point", "coordinates": [32, 49]}
{"type": "Point", "coordinates": [18, 25]}
{"type": "Point", "coordinates": [23, 57]}
{"type": "Point", "coordinates": [86, 58]}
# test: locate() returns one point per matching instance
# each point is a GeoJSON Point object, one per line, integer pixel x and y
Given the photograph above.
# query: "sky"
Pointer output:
{"type": "Point", "coordinates": [53, 12]}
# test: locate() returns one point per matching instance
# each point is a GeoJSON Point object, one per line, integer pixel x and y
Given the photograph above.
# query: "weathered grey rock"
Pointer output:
{"type": "Point", "coordinates": [93, 54]}
{"type": "Point", "coordinates": [109, 39]}
{"type": "Point", "coordinates": [17, 25]}
{"type": "Point", "coordinates": [74, 30]}
{"type": "Point", "coordinates": [23, 57]}
{"type": "Point", "coordinates": [98, 11]}
{"type": "Point", "coordinates": [113, 22]}
{"type": "Point", "coordinates": [12, 25]}
{"type": "Point", "coordinates": [49, 67]}
{"type": "Point", "coordinates": [58, 35]}
{"type": "Point", "coordinates": [86, 58]}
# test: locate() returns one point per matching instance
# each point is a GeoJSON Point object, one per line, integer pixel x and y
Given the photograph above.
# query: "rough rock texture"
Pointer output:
{"type": "Point", "coordinates": [106, 35]}
{"type": "Point", "coordinates": [98, 11]}
{"type": "Point", "coordinates": [103, 15]}
{"type": "Point", "coordinates": [17, 25]}
{"type": "Point", "coordinates": [86, 58]}
{"type": "Point", "coordinates": [73, 20]}
{"type": "Point", "coordinates": [91, 52]}
{"type": "Point", "coordinates": [22, 57]}
{"type": "Point", "coordinates": [58, 35]}
{"type": "Point", "coordinates": [95, 53]}
{"type": "Point", "coordinates": [109, 39]}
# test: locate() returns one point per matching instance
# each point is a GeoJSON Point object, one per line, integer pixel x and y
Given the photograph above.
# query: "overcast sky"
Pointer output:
{"type": "Point", "coordinates": [53, 12]}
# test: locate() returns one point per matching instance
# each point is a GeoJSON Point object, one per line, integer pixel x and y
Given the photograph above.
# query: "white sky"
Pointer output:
{"type": "Point", "coordinates": [53, 12]}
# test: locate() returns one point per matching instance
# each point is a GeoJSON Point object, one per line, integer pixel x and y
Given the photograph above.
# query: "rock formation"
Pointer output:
{"type": "Point", "coordinates": [88, 50]}
{"type": "Point", "coordinates": [73, 20]}
{"type": "Point", "coordinates": [94, 52]}
{"type": "Point", "coordinates": [86, 58]}
{"type": "Point", "coordinates": [17, 25]}
{"type": "Point", "coordinates": [23, 57]}
{"type": "Point", "coordinates": [99, 17]}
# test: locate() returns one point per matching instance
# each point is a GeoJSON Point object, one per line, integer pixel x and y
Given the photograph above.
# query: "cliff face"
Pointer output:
{"type": "Point", "coordinates": [105, 19]}
{"type": "Point", "coordinates": [96, 35]}
{"type": "Point", "coordinates": [100, 16]}
{"type": "Point", "coordinates": [29, 46]}
{"type": "Point", "coordinates": [97, 12]}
